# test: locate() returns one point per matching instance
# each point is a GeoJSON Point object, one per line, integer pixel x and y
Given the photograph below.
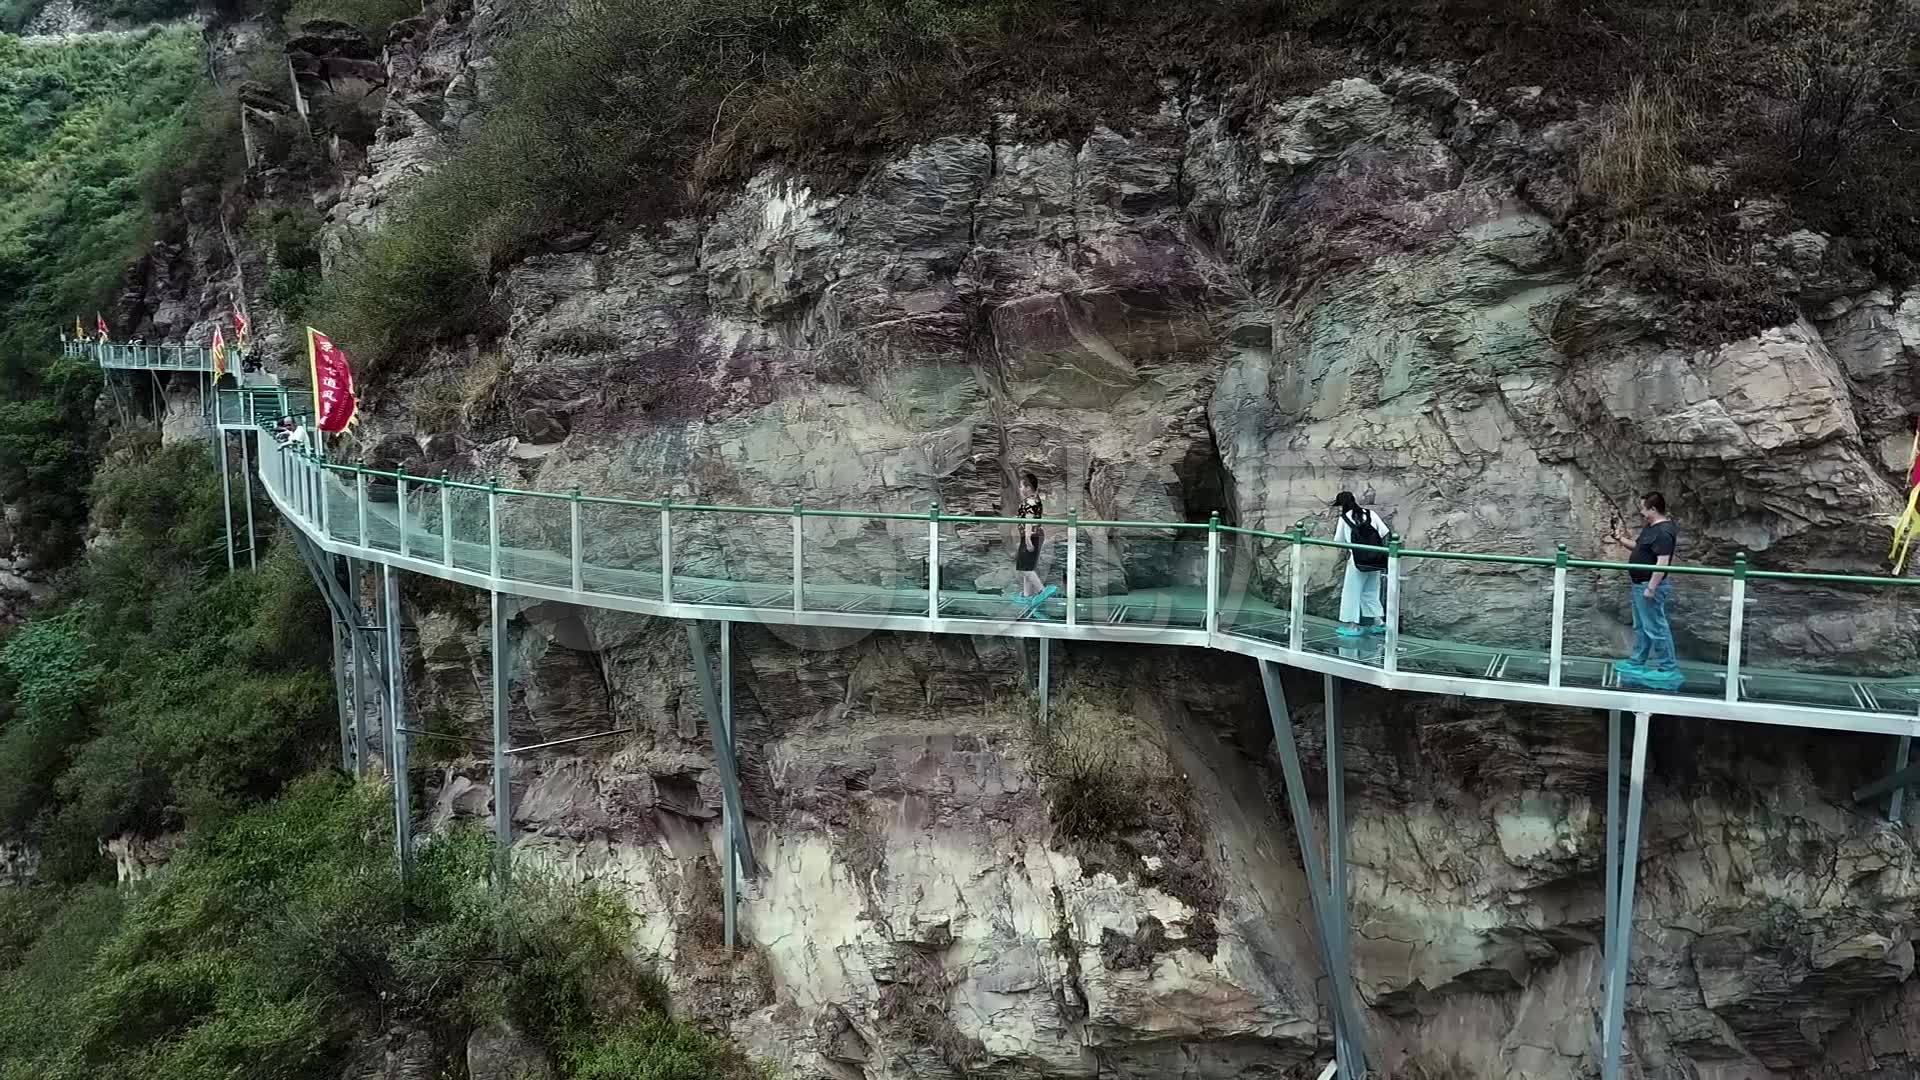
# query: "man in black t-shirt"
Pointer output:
{"type": "Point", "coordinates": [1651, 588]}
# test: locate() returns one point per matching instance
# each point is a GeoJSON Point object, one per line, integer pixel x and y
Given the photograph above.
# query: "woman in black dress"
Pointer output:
{"type": "Point", "coordinates": [1026, 557]}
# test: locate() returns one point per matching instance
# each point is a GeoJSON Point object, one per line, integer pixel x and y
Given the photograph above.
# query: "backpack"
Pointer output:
{"type": "Point", "coordinates": [1360, 530]}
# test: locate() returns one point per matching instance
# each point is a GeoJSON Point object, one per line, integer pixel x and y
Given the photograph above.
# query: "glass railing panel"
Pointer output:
{"type": "Point", "coordinates": [383, 533]}
{"type": "Point", "coordinates": [535, 539]}
{"type": "Point", "coordinates": [1324, 571]}
{"type": "Point", "coordinates": [467, 515]}
{"type": "Point", "coordinates": [342, 523]}
{"type": "Point", "coordinates": [732, 559]}
{"type": "Point", "coordinates": [1254, 587]}
{"type": "Point", "coordinates": [423, 519]}
{"type": "Point", "coordinates": [979, 576]}
{"type": "Point", "coordinates": [853, 565]}
{"type": "Point", "coordinates": [620, 548]}
{"type": "Point", "coordinates": [1830, 645]}
{"type": "Point", "coordinates": [1600, 632]}
{"type": "Point", "coordinates": [1142, 578]}
{"type": "Point", "coordinates": [1490, 620]}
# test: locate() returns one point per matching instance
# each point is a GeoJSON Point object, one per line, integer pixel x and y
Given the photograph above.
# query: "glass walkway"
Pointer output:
{"type": "Point", "coordinates": [1237, 590]}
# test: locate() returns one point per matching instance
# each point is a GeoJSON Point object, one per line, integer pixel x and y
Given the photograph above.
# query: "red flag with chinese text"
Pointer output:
{"type": "Point", "coordinates": [219, 354]}
{"type": "Point", "coordinates": [240, 328]}
{"type": "Point", "coordinates": [334, 403]}
{"type": "Point", "coordinates": [100, 322]}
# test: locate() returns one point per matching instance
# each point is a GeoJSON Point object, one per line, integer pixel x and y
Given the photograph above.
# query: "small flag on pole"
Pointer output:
{"type": "Point", "coordinates": [219, 354]}
{"type": "Point", "coordinates": [79, 334]}
{"type": "Point", "coordinates": [240, 327]}
{"type": "Point", "coordinates": [100, 323]}
{"type": "Point", "coordinates": [334, 403]}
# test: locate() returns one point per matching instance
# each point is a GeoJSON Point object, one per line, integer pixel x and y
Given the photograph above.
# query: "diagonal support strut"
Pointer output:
{"type": "Point", "coordinates": [1349, 1037]}
{"type": "Point", "coordinates": [723, 753]}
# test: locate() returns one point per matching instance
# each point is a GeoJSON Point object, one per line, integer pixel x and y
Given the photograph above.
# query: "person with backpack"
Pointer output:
{"type": "Point", "coordinates": [1362, 599]}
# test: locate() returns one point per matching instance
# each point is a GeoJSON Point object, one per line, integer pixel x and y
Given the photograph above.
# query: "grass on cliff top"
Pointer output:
{"type": "Point", "coordinates": [1814, 103]}
{"type": "Point", "coordinates": [272, 944]}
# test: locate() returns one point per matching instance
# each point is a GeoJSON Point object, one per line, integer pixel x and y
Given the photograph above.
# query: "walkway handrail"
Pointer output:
{"type": "Point", "coordinates": [1196, 529]}
{"type": "Point", "coordinates": [1256, 609]}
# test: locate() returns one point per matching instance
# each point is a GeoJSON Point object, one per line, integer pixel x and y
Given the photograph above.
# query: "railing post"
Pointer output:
{"type": "Point", "coordinates": [446, 522]}
{"type": "Point", "coordinates": [666, 551]}
{"type": "Point", "coordinates": [360, 503]}
{"type": "Point", "coordinates": [1390, 663]}
{"type": "Point", "coordinates": [1213, 573]}
{"type": "Point", "coordinates": [1297, 590]}
{"type": "Point", "coordinates": [799, 602]}
{"type": "Point", "coordinates": [493, 527]}
{"type": "Point", "coordinates": [1557, 643]}
{"type": "Point", "coordinates": [1736, 625]}
{"type": "Point", "coordinates": [576, 549]}
{"type": "Point", "coordinates": [933, 561]}
{"type": "Point", "coordinates": [400, 507]}
{"type": "Point", "coordinates": [1073, 567]}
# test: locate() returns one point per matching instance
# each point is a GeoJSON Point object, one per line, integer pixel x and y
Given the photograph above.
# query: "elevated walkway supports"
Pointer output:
{"type": "Point", "coordinates": [362, 673]}
{"type": "Point", "coordinates": [340, 693]}
{"type": "Point", "coordinates": [717, 701]}
{"type": "Point", "coordinates": [246, 480]}
{"type": "Point", "coordinates": [1329, 907]}
{"type": "Point", "coordinates": [1623, 864]}
{"type": "Point", "coordinates": [226, 495]}
{"type": "Point", "coordinates": [1902, 757]}
{"type": "Point", "coordinates": [502, 779]}
{"type": "Point", "coordinates": [1046, 650]}
{"type": "Point", "coordinates": [397, 738]}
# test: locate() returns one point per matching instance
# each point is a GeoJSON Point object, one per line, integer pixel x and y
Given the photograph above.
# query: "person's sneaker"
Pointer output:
{"type": "Point", "coordinates": [1377, 628]}
{"type": "Point", "coordinates": [1628, 665]}
{"type": "Point", "coordinates": [1350, 631]}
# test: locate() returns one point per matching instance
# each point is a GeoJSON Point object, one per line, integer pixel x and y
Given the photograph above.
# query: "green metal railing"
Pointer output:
{"type": "Point", "coordinates": [1201, 580]}
{"type": "Point", "coordinates": [146, 357]}
{"type": "Point", "coordinates": [247, 408]}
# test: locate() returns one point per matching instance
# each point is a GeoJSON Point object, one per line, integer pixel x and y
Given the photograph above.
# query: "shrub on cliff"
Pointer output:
{"type": "Point", "coordinates": [273, 944]}
{"type": "Point", "coordinates": [184, 693]}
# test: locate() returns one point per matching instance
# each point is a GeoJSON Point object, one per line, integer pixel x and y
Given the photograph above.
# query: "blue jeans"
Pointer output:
{"type": "Point", "coordinates": [1652, 635]}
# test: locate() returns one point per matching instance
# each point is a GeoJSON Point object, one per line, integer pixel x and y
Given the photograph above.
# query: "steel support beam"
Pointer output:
{"type": "Point", "coordinates": [731, 803]}
{"type": "Point", "coordinates": [396, 712]}
{"type": "Point", "coordinates": [1352, 1056]}
{"type": "Point", "coordinates": [1902, 757]}
{"type": "Point", "coordinates": [362, 675]}
{"type": "Point", "coordinates": [1045, 687]}
{"type": "Point", "coordinates": [1347, 1029]}
{"type": "Point", "coordinates": [246, 479]}
{"type": "Point", "coordinates": [730, 872]}
{"type": "Point", "coordinates": [502, 780]}
{"type": "Point", "coordinates": [1898, 781]}
{"type": "Point", "coordinates": [226, 495]}
{"type": "Point", "coordinates": [1612, 884]}
{"type": "Point", "coordinates": [1623, 866]}
{"type": "Point", "coordinates": [341, 630]}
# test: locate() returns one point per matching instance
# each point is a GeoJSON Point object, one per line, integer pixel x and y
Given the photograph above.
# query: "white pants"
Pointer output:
{"type": "Point", "coordinates": [1360, 594]}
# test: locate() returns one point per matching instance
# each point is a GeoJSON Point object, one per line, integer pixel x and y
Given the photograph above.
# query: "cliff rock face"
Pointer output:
{"type": "Point", "coordinates": [1179, 313]}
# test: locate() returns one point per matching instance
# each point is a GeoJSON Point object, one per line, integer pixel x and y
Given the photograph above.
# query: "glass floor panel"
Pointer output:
{"type": "Point", "coordinates": [1783, 688]}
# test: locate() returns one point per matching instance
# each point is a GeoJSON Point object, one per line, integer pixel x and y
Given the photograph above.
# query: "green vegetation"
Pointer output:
{"type": "Point", "coordinates": [166, 693]}
{"type": "Point", "coordinates": [81, 126]}
{"type": "Point", "coordinates": [276, 941]}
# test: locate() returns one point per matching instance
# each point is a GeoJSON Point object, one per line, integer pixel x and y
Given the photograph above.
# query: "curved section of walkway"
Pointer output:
{"type": "Point", "coordinates": [661, 559]}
